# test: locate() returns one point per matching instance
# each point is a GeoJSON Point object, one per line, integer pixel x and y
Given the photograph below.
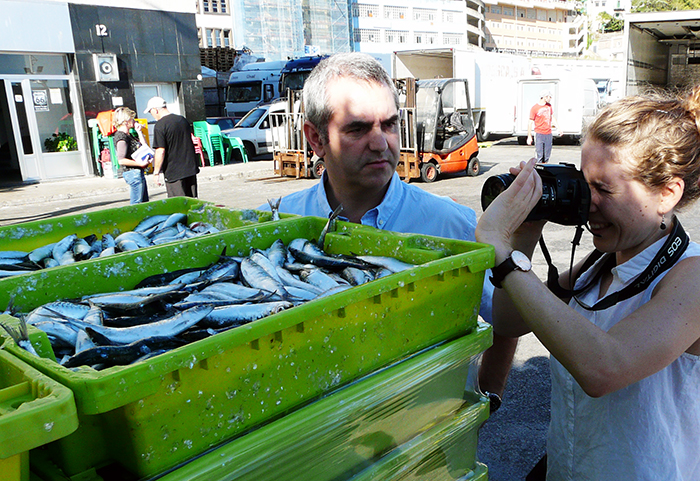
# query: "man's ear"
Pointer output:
{"type": "Point", "coordinates": [314, 138]}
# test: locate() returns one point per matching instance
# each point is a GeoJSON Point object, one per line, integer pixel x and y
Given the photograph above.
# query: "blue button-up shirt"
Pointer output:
{"type": "Point", "coordinates": [405, 208]}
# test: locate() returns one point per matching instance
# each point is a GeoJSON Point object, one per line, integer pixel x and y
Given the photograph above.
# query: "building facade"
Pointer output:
{"type": "Point", "coordinates": [80, 58]}
{"type": "Point", "coordinates": [535, 28]}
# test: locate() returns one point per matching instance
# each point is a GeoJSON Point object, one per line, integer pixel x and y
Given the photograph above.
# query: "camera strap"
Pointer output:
{"type": "Point", "coordinates": [672, 250]}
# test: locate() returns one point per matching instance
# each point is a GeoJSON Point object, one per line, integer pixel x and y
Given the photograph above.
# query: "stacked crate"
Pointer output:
{"type": "Point", "coordinates": [369, 380]}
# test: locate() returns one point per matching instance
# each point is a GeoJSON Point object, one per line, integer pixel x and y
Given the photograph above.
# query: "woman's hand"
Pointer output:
{"type": "Point", "coordinates": [506, 214]}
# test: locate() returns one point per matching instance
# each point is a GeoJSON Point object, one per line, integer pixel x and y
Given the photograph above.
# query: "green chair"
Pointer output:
{"type": "Point", "coordinates": [202, 131]}
{"type": "Point", "coordinates": [217, 140]}
{"type": "Point", "coordinates": [234, 143]}
{"type": "Point", "coordinates": [98, 143]}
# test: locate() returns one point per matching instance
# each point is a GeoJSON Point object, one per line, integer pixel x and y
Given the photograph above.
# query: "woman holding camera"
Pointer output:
{"type": "Point", "coordinates": [625, 343]}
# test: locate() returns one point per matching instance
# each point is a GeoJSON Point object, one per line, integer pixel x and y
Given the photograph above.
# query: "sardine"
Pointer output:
{"type": "Point", "coordinates": [237, 314]}
{"type": "Point", "coordinates": [275, 208]}
{"type": "Point", "coordinates": [394, 265]}
{"type": "Point", "coordinates": [171, 326]}
{"type": "Point", "coordinates": [63, 246]}
{"type": "Point", "coordinates": [20, 336]}
{"type": "Point", "coordinates": [255, 276]}
{"type": "Point", "coordinates": [41, 253]}
{"type": "Point", "coordinates": [151, 221]}
{"type": "Point", "coordinates": [122, 354]}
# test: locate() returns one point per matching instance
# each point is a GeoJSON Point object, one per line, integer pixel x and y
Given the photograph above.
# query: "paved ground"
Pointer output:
{"type": "Point", "coordinates": [512, 440]}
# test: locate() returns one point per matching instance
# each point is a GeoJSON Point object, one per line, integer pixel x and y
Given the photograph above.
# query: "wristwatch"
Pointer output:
{"type": "Point", "coordinates": [516, 261]}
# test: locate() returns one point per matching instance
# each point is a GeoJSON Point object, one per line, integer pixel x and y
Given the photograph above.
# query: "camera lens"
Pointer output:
{"type": "Point", "coordinates": [493, 187]}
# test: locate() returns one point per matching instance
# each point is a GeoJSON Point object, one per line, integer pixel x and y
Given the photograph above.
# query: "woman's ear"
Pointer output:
{"type": "Point", "coordinates": [671, 194]}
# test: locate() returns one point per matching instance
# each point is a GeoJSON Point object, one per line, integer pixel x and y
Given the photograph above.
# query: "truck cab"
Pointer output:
{"type": "Point", "coordinates": [255, 84]}
{"type": "Point", "coordinates": [295, 72]}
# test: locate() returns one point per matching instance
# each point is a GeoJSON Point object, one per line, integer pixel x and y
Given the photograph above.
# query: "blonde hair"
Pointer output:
{"type": "Point", "coordinates": [657, 135]}
{"type": "Point", "coordinates": [122, 115]}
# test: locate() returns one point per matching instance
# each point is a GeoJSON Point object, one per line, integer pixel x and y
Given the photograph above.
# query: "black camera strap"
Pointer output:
{"type": "Point", "coordinates": [672, 250]}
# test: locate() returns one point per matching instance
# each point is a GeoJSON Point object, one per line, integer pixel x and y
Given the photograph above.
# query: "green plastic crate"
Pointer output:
{"type": "Point", "coordinates": [34, 410]}
{"type": "Point", "coordinates": [153, 415]}
{"type": "Point", "coordinates": [349, 429]}
{"type": "Point", "coordinates": [27, 236]}
{"type": "Point", "coordinates": [447, 452]}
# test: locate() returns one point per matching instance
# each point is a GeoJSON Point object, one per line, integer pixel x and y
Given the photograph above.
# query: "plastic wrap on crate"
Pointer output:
{"type": "Point", "coordinates": [446, 452]}
{"type": "Point", "coordinates": [346, 431]}
{"type": "Point", "coordinates": [34, 410]}
{"type": "Point", "coordinates": [28, 236]}
{"type": "Point", "coordinates": [158, 413]}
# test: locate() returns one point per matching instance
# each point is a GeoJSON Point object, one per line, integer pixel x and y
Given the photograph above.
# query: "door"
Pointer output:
{"type": "Point", "coordinates": [44, 128]}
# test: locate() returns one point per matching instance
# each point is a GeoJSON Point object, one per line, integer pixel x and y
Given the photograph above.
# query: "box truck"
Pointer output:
{"type": "Point", "coordinates": [491, 76]}
{"type": "Point", "coordinates": [663, 50]}
{"type": "Point", "coordinates": [255, 84]}
{"type": "Point", "coordinates": [575, 103]}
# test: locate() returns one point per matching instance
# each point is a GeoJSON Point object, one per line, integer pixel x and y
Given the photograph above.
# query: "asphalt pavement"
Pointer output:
{"type": "Point", "coordinates": [513, 439]}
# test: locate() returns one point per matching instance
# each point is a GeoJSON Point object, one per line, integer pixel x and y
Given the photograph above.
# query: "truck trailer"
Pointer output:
{"type": "Point", "coordinates": [491, 76]}
{"type": "Point", "coordinates": [663, 50]}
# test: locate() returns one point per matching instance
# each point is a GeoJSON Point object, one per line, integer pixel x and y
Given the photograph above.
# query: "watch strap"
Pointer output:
{"type": "Point", "coordinates": [500, 272]}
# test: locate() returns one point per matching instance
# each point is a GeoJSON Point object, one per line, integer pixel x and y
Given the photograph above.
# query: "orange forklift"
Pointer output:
{"type": "Point", "coordinates": [437, 129]}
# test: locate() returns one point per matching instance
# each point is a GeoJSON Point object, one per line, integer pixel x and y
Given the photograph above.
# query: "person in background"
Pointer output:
{"type": "Point", "coordinates": [351, 107]}
{"type": "Point", "coordinates": [542, 121]}
{"type": "Point", "coordinates": [175, 155]}
{"type": "Point", "coordinates": [125, 144]}
{"type": "Point", "coordinates": [625, 337]}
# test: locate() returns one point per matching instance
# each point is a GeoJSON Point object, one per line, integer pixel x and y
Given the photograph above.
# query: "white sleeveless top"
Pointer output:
{"type": "Point", "coordinates": [649, 430]}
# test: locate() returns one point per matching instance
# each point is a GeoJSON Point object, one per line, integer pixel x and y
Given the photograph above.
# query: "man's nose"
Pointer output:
{"type": "Point", "coordinates": [377, 139]}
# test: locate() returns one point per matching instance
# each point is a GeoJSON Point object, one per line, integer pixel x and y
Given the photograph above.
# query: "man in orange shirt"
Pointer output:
{"type": "Point", "coordinates": [542, 120]}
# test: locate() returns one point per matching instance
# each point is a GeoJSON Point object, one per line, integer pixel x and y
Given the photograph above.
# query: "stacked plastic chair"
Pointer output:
{"type": "Point", "coordinates": [217, 140]}
{"type": "Point", "coordinates": [198, 148]}
{"type": "Point", "coordinates": [202, 132]}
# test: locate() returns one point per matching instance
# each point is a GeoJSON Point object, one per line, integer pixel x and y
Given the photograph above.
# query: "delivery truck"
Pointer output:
{"type": "Point", "coordinates": [255, 84]}
{"type": "Point", "coordinates": [575, 104]}
{"type": "Point", "coordinates": [491, 76]}
{"type": "Point", "coordinates": [663, 50]}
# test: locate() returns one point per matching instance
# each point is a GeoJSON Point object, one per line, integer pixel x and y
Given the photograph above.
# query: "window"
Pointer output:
{"type": "Point", "coordinates": [214, 6]}
{"type": "Point", "coordinates": [223, 6]}
{"type": "Point", "coordinates": [217, 37]}
{"type": "Point", "coordinates": [227, 38]}
{"type": "Point", "coordinates": [205, 6]}
{"type": "Point", "coordinates": [496, 9]}
{"type": "Point", "coordinates": [424, 14]}
{"type": "Point", "coordinates": [508, 11]}
{"type": "Point", "coordinates": [368, 35]}
{"type": "Point", "coordinates": [449, 16]}
{"type": "Point", "coordinates": [452, 38]}
{"type": "Point", "coordinates": [365, 10]}
{"type": "Point", "coordinates": [208, 35]}
{"type": "Point", "coordinates": [395, 13]}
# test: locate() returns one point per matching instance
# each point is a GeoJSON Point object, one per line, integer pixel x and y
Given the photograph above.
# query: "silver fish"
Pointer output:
{"type": "Point", "coordinates": [20, 336]}
{"type": "Point", "coordinates": [319, 279]}
{"type": "Point", "coordinates": [256, 276]}
{"type": "Point", "coordinates": [41, 253]}
{"type": "Point", "coordinates": [63, 246]}
{"type": "Point", "coordinates": [394, 265]}
{"type": "Point", "coordinates": [169, 327]}
{"type": "Point", "coordinates": [275, 208]}
{"type": "Point", "coordinates": [131, 236]}
{"type": "Point", "coordinates": [151, 221]}
{"type": "Point", "coordinates": [225, 315]}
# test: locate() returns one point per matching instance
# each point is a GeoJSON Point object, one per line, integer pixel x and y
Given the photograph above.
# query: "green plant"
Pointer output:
{"type": "Point", "coordinates": [60, 143]}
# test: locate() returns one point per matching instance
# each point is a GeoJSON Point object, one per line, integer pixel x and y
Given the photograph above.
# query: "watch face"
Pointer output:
{"type": "Point", "coordinates": [521, 261]}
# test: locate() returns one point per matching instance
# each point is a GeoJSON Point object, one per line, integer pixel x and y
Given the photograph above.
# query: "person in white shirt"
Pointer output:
{"type": "Point", "coordinates": [625, 343]}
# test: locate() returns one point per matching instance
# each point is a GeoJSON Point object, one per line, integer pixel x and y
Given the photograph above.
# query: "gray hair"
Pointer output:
{"type": "Point", "coordinates": [355, 65]}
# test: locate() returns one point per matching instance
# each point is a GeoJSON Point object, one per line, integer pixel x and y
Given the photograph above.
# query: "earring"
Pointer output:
{"type": "Point", "coordinates": [663, 222]}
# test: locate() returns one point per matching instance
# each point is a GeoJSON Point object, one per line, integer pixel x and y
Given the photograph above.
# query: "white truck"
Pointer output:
{"type": "Point", "coordinates": [491, 76]}
{"type": "Point", "coordinates": [663, 50]}
{"type": "Point", "coordinates": [254, 84]}
{"type": "Point", "coordinates": [575, 103]}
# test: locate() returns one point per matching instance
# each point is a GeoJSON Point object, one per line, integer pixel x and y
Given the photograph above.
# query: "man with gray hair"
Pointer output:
{"type": "Point", "coordinates": [352, 123]}
{"type": "Point", "coordinates": [542, 120]}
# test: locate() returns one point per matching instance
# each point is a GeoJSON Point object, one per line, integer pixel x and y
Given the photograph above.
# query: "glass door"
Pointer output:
{"type": "Point", "coordinates": [45, 128]}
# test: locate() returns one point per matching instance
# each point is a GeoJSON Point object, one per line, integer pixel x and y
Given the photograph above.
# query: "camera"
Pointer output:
{"type": "Point", "coordinates": [565, 200]}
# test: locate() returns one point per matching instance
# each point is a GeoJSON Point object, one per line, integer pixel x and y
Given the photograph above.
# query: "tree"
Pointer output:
{"type": "Point", "coordinates": [610, 23]}
{"type": "Point", "coordinates": [664, 5]}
